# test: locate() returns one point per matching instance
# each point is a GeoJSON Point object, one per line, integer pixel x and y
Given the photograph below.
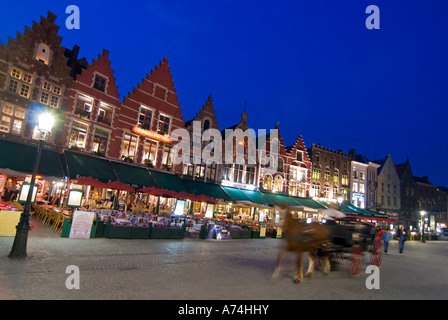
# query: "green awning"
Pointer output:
{"type": "Point", "coordinates": [309, 203]}
{"type": "Point", "coordinates": [351, 209]}
{"type": "Point", "coordinates": [137, 177]}
{"type": "Point", "coordinates": [281, 199]}
{"type": "Point", "coordinates": [257, 198]}
{"type": "Point", "coordinates": [237, 195]}
{"type": "Point", "coordinates": [81, 165]}
{"type": "Point", "coordinates": [168, 181]}
{"type": "Point", "coordinates": [18, 157]}
{"type": "Point", "coordinates": [208, 189]}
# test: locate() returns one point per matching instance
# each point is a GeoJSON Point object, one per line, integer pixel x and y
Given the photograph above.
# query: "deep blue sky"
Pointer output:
{"type": "Point", "coordinates": [312, 65]}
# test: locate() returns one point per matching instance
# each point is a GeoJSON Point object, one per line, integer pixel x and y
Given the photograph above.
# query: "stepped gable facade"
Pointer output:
{"type": "Point", "coordinates": [148, 116]}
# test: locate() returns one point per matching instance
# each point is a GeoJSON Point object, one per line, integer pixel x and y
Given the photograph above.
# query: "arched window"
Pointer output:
{"type": "Point", "coordinates": [206, 124]}
{"type": "Point", "coordinates": [278, 183]}
{"type": "Point", "coordinates": [267, 182]}
{"type": "Point", "coordinates": [43, 53]}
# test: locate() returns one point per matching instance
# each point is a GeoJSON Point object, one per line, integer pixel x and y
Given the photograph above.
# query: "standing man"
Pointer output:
{"type": "Point", "coordinates": [401, 236]}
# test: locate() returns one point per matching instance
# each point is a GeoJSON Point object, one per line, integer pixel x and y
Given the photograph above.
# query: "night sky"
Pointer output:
{"type": "Point", "coordinates": [311, 65]}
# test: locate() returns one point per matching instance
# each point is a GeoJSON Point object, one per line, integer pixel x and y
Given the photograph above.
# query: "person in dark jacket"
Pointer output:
{"type": "Point", "coordinates": [387, 236]}
{"type": "Point", "coordinates": [401, 236]}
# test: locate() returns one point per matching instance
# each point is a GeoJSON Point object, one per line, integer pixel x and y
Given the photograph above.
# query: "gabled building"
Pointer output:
{"type": "Point", "coordinates": [427, 197]}
{"type": "Point", "coordinates": [34, 74]}
{"type": "Point", "coordinates": [409, 208]}
{"type": "Point", "coordinates": [147, 117]}
{"type": "Point", "coordinates": [90, 123]}
{"type": "Point", "coordinates": [299, 167]}
{"type": "Point", "coordinates": [240, 164]}
{"type": "Point", "coordinates": [273, 180]}
{"type": "Point", "coordinates": [198, 168]}
{"type": "Point", "coordinates": [358, 181]}
{"type": "Point", "coordinates": [388, 188]}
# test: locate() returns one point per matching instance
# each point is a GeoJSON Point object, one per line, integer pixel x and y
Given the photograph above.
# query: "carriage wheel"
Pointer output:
{"type": "Point", "coordinates": [355, 262]}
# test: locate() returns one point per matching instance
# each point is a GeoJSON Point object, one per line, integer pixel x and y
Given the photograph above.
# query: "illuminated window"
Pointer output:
{"type": "Point", "coordinates": [100, 141]}
{"type": "Point", "coordinates": [167, 157]}
{"type": "Point", "coordinates": [316, 174]}
{"type": "Point", "coordinates": [226, 171]}
{"type": "Point", "coordinates": [267, 182]}
{"type": "Point", "coordinates": [16, 73]}
{"type": "Point", "coordinates": [327, 175]}
{"type": "Point", "coordinates": [8, 110]}
{"type": "Point", "coordinates": [17, 126]}
{"type": "Point", "coordinates": [150, 152]}
{"type": "Point", "coordinates": [315, 190]}
{"type": "Point", "coordinates": [27, 78]}
{"type": "Point", "coordinates": [211, 171]}
{"type": "Point", "coordinates": [5, 123]}
{"type": "Point", "coordinates": [238, 174]}
{"type": "Point", "coordinates": [78, 135]}
{"type": "Point", "coordinates": [43, 53]}
{"type": "Point", "coordinates": [129, 146]}
{"type": "Point", "coordinates": [145, 118]}
{"type": "Point", "coordinates": [335, 177]}
{"type": "Point", "coordinates": [57, 90]}
{"type": "Point", "coordinates": [278, 183]}
{"type": "Point", "coordinates": [164, 124]}
{"type": "Point", "coordinates": [20, 113]}
{"type": "Point", "coordinates": [46, 86]}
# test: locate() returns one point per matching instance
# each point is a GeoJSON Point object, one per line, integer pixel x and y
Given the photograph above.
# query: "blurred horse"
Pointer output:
{"type": "Point", "coordinates": [302, 237]}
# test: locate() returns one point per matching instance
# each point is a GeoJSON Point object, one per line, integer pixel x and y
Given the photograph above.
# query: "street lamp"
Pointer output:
{"type": "Point", "coordinates": [423, 224]}
{"type": "Point", "coordinates": [45, 124]}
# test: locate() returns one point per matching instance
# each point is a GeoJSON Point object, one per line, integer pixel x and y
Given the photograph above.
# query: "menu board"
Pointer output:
{"type": "Point", "coordinates": [74, 198]}
{"type": "Point", "coordinates": [81, 225]}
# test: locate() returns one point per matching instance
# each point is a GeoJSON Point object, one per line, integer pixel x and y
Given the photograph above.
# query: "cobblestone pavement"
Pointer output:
{"type": "Point", "coordinates": [116, 269]}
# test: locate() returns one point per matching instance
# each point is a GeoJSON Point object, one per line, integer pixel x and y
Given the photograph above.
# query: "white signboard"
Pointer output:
{"type": "Point", "coordinates": [81, 225]}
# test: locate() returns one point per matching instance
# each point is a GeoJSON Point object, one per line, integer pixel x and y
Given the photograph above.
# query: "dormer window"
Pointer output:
{"type": "Point", "coordinates": [43, 53]}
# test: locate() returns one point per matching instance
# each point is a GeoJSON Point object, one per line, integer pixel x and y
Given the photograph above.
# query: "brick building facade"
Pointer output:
{"type": "Point", "coordinates": [330, 177]}
{"type": "Point", "coordinates": [34, 75]}
{"type": "Point", "coordinates": [91, 123]}
{"type": "Point", "coordinates": [147, 117]}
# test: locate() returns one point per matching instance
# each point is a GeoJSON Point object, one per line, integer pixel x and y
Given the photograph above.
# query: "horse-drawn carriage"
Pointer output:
{"type": "Point", "coordinates": [329, 243]}
{"type": "Point", "coordinates": [351, 240]}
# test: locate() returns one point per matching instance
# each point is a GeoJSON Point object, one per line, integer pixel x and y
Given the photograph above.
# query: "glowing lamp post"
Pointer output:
{"type": "Point", "coordinates": [45, 124]}
{"type": "Point", "coordinates": [423, 213]}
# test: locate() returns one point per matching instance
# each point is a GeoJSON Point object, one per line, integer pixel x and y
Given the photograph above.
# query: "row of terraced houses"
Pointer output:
{"type": "Point", "coordinates": [35, 69]}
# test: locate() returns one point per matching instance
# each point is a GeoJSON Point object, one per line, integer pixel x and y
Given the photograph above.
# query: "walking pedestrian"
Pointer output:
{"type": "Point", "coordinates": [401, 236]}
{"type": "Point", "coordinates": [387, 236]}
